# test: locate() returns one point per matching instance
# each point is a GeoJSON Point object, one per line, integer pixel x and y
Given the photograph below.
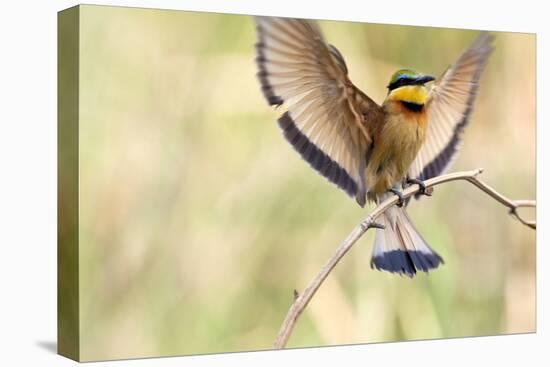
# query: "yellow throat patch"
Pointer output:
{"type": "Point", "coordinates": [409, 93]}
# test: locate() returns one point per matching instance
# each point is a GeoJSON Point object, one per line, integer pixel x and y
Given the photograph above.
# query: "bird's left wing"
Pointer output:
{"type": "Point", "coordinates": [449, 106]}
{"type": "Point", "coordinates": [326, 113]}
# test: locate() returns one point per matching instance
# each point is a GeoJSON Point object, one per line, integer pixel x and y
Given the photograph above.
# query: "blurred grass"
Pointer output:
{"type": "Point", "coordinates": [197, 220]}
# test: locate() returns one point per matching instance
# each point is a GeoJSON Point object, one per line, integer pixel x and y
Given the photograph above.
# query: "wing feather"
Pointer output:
{"type": "Point", "coordinates": [324, 118]}
{"type": "Point", "coordinates": [449, 107]}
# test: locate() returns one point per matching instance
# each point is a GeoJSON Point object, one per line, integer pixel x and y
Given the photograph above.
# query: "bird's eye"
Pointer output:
{"type": "Point", "coordinates": [400, 81]}
{"type": "Point", "coordinates": [403, 79]}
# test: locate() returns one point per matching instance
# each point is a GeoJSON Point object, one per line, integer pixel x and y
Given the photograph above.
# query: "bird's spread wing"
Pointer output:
{"type": "Point", "coordinates": [325, 114]}
{"type": "Point", "coordinates": [449, 106]}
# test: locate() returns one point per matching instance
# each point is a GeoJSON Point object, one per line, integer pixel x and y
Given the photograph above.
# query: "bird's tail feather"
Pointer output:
{"type": "Point", "coordinates": [399, 248]}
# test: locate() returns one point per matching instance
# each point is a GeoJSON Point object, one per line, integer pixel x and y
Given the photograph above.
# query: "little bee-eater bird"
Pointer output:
{"type": "Point", "coordinates": [368, 150]}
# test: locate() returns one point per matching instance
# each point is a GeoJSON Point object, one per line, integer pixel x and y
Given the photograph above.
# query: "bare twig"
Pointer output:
{"type": "Point", "coordinates": [301, 300]}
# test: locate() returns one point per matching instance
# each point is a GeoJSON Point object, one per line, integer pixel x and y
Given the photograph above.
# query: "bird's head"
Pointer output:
{"type": "Point", "coordinates": [408, 86]}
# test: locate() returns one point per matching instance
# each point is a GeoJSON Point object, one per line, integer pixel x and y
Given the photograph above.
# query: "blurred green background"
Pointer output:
{"type": "Point", "coordinates": [197, 219]}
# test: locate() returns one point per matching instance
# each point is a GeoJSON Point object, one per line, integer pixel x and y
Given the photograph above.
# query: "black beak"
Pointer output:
{"type": "Point", "coordinates": [424, 79]}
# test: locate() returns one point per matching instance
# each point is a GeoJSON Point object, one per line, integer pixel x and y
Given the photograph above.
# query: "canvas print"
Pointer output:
{"type": "Point", "coordinates": [238, 182]}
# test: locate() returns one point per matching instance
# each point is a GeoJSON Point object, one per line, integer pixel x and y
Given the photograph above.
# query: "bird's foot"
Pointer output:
{"type": "Point", "coordinates": [399, 194]}
{"type": "Point", "coordinates": [423, 189]}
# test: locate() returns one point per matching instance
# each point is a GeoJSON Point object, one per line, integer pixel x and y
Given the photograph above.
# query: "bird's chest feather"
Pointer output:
{"type": "Point", "coordinates": [404, 133]}
{"type": "Point", "coordinates": [396, 146]}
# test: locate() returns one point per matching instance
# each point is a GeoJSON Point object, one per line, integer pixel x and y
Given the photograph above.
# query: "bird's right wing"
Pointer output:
{"type": "Point", "coordinates": [328, 120]}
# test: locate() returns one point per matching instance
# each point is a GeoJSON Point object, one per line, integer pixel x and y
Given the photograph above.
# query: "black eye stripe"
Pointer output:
{"type": "Point", "coordinates": [400, 82]}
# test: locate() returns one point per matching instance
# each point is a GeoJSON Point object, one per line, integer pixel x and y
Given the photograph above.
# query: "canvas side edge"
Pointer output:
{"type": "Point", "coordinates": [68, 302]}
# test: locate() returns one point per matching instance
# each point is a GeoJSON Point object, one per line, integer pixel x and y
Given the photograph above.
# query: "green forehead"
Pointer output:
{"type": "Point", "coordinates": [403, 73]}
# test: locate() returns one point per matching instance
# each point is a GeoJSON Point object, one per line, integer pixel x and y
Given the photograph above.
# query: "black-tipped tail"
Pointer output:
{"type": "Point", "coordinates": [399, 248]}
{"type": "Point", "coordinates": [406, 262]}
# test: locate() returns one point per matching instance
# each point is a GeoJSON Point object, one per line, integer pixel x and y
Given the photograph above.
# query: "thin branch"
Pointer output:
{"type": "Point", "coordinates": [302, 300]}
